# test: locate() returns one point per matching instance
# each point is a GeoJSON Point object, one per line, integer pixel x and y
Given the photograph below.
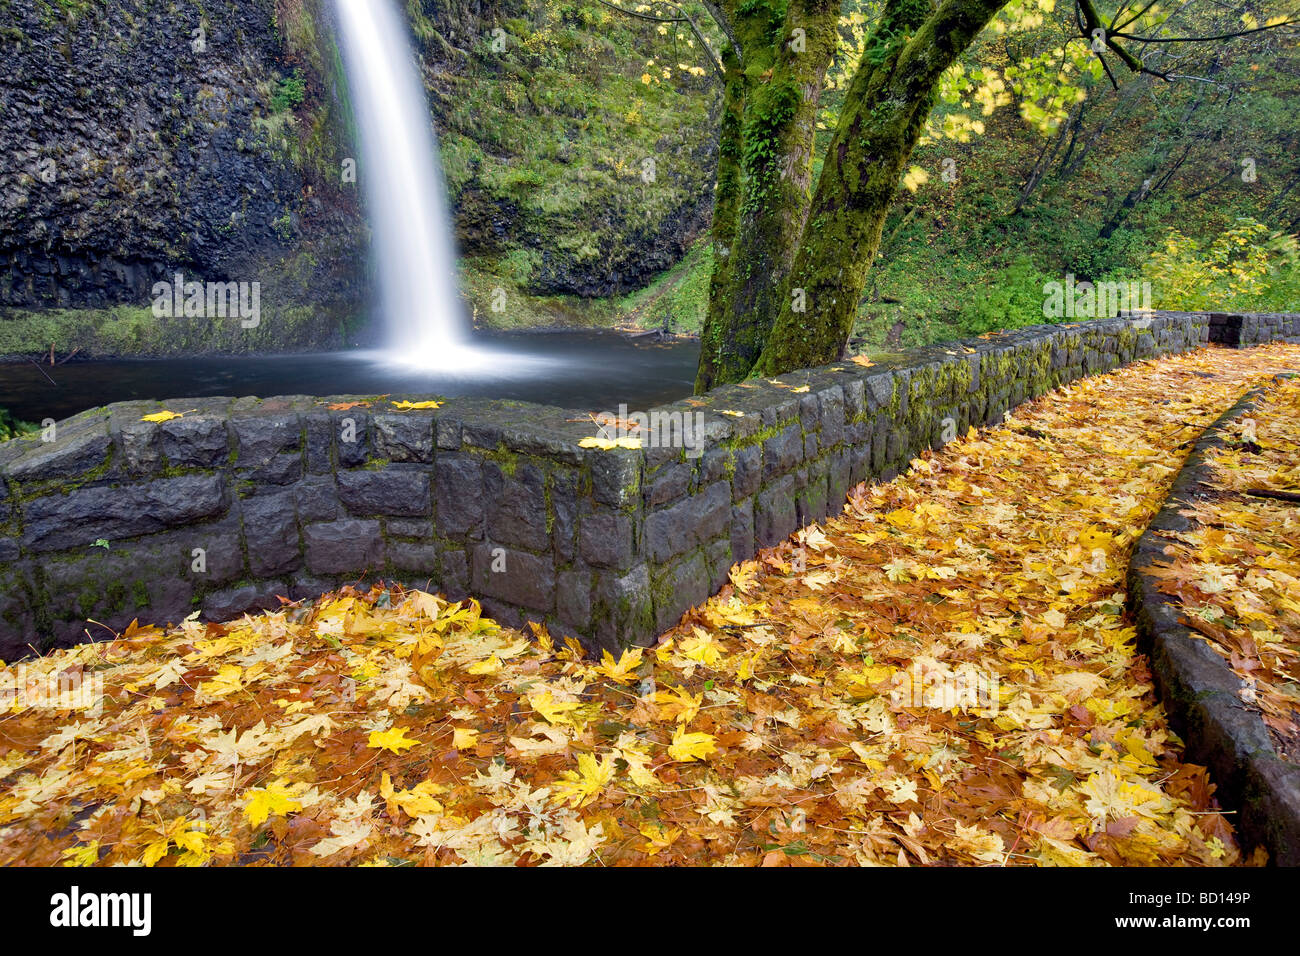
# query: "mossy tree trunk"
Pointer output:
{"type": "Point", "coordinates": [773, 85]}
{"type": "Point", "coordinates": [790, 267]}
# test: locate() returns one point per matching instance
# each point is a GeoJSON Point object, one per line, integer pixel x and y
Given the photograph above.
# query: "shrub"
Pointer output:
{"type": "Point", "coordinates": [1246, 267]}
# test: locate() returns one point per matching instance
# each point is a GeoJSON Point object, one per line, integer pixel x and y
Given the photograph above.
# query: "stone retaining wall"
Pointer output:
{"type": "Point", "coordinates": [243, 500]}
{"type": "Point", "coordinates": [1243, 329]}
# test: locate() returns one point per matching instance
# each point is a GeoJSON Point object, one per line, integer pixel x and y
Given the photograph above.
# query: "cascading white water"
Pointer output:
{"type": "Point", "coordinates": [401, 176]}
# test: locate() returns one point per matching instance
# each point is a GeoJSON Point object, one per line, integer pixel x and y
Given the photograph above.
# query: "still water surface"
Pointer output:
{"type": "Point", "coordinates": [589, 371]}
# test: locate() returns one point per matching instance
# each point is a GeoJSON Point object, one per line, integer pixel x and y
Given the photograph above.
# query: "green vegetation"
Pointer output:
{"type": "Point", "coordinates": [675, 301]}
{"type": "Point", "coordinates": [575, 143]}
{"type": "Point", "coordinates": [1032, 171]}
{"type": "Point", "coordinates": [579, 145]}
{"type": "Point", "coordinates": [1246, 268]}
{"type": "Point", "coordinates": [11, 427]}
{"type": "Point", "coordinates": [289, 92]}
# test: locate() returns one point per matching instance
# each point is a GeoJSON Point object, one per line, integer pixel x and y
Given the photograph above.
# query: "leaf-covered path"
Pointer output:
{"type": "Point", "coordinates": [942, 674]}
{"type": "Point", "coordinates": [1236, 569]}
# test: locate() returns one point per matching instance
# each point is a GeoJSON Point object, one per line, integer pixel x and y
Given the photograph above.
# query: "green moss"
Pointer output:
{"type": "Point", "coordinates": [11, 428]}
{"type": "Point", "coordinates": [504, 458]}
{"type": "Point", "coordinates": [763, 434]}
{"type": "Point", "coordinates": [289, 92]}
{"type": "Point", "coordinates": [677, 300]}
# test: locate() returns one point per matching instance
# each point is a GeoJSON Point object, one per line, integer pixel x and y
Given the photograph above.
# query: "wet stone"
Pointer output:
{"type": "Point", "coordinates": [194, 442]}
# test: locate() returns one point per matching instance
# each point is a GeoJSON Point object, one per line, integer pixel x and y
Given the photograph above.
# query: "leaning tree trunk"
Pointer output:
{"type": "Point", "coordinates": [726, 213]}
{"type": "Point", "coordinates": [769, 125]}
{"type": "Point", "coordinates": [884, 113]}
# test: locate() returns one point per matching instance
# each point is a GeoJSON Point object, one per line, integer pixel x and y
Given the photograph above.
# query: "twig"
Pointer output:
{"type": "Point", "coordinates": [1290, 496]}
{"type": "Point", "coordinates": [718, 69]}
{"type": "Point", "coordinates": [43, 372]}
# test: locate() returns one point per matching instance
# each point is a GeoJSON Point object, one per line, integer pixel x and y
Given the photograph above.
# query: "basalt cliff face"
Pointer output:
{"type": "Point", "coordinates": [144, 138]}
{"type": "Point", "coordinates": [141, 138]}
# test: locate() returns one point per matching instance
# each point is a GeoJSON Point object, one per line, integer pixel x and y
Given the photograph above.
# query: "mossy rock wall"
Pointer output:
{"type": "Point", "coordinates": [144, 137]}
{"type": "Point", "coordinates": [148, 137]}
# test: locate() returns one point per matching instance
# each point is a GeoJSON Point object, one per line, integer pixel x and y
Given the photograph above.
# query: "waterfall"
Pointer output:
{"type": "Point", "coordinates": [413, 246]}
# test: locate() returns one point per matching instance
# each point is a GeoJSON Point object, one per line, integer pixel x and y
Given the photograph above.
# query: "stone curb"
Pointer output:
{"type": "Point", "coordinates": [1199, 689]}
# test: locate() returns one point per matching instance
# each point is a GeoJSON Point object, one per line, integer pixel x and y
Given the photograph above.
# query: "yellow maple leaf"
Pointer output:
{"type": "Point", "coordinates": [658, 837]}
{"type": "Point", "coordinates": [579, 788]}
{"type": "Point", "coordinates": [156, 850]}
{"type": "Point", "coordinates": [679, 704]}
{"type": "Point", "coordinates": [691, 746]}
{"type": "Point", "coordinates": [87, 855]}
{"type": "Point", "coordinates": [637, 760]}
{"type": "Point", "coordinates": [622, 671]}
{"type": "Point", "coordinates": [417, 801]}
{"type": "Point", "coordinates": [489, 666]}
{"type": "Point", "coordinates": [702, 648]}
{"type": "Point", "coordinates": [983, 846]}
{"type": "Point", "coordinates": [745, 669]}
{"type": "Point", "coordinates": [226, 681]}
{"type": "Point", "coordinates": [273, 798]}
{"type": "Point", "coordinates": [159, 417]}
{"type": "Point", "coordinates": [1094, 537]}
{"type": "Point", "coordinates": [608, 444]}
{"type": "Point", "coordinates": [550, 708]}
{"type": "Point", "coordinates": [464, 737]}
{"type": "Point", "coordinates": [394, 739]}
{"type": "Point", "coordinates": [195, 841]}
{"type": "Point", "coordinates": [901, 518]}
{"type": "Point", "coordinates": [411, 406]}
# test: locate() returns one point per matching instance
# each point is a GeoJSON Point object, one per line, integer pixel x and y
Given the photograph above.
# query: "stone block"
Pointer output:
{"type": "Point", "coordinates": [748, 473]}
{"type": "Point", "coordinates": [198, 442]}
{"type": "Point", "coordinates": [669, 483]}
{"type": "Point", "coordinates": [79, 518]}
{"type": "Point", "coordinates": [516, 506]}
{"type": "Point", "coordinates": [742, 531]}
{"type": "Point", "coordinates": [622, 609]}
{"type": "Point", "coordinates": [271, 534]}
{"type": "Point", "coordinates": [72, 454]}
{"type": "Point", "coordinates": [678, 528]}
{"type": "Point", "coordinates": [782, 452]}
{"type": "Point", "coordinates": [387, 491]}
{"type": "Point", "coordinates": [518, 577]}
{"type": "Point", "coordinates": [404, 437]}
{"type": "Point", "coordinates": [605, 539]}
{"type": "Point", "coordinates": [775, 513]}
{"type": "Point", "coordinates": [349, 547]}
{"type": "Point", "coordinates": [679, 585]}
{"type": "Point", "coordinates": [573, 599]}
{"type": "Point", "coordinates": [458, 492]}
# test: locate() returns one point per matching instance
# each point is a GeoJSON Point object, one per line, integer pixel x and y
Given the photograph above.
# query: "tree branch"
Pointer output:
{"type": "Point", "coordinates": [714, 62]}
{"type": "Point", "coordinates": [1221, 36]}
{"type": "Point", "coordinates": [1089, 20]}
{"type": "Point", "coordinates": [723, 23]}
